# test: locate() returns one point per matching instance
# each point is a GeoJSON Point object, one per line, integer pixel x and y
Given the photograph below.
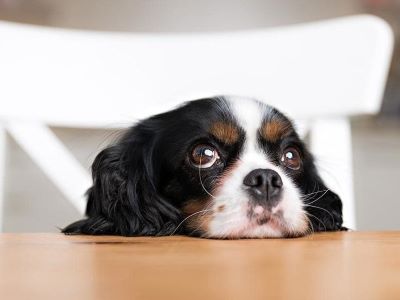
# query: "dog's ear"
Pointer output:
{"type": "Point", "coordinates": [324, 208]}
{"type": "Point", "coordinates": [124, 199]}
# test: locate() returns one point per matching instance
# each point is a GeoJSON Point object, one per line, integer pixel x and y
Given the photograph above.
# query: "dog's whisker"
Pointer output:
{"type": "Point", "coordinates": [208, 207]}
{"type": "Point", "coordinates": [315, 190]}
{"type": "Point", "coordinates": [311, 228]}
{"type": "Point", "coordinates": [313, 193]}
{"type": "Point", "coordinates": [183, 221]}
{"type": "Point", "coordinates": [308, 203]}
{"type": "Point", "coordinates": [201, 181]}
{"type": "Point", "coordinates": [319, 220]}
{"type": "Point", "coordinates": [329, 213]}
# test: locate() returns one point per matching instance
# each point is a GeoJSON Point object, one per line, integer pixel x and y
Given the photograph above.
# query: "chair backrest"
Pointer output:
{"type": "Point", "coordinates": [92, 79]}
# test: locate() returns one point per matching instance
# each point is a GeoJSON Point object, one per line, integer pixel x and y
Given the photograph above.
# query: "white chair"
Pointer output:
{"type": "Point", "coordinates": [320, 73]}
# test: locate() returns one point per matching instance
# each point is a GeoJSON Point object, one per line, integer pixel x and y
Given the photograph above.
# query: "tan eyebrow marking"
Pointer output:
{"type": "Point", "coordinates": [225, 132]}
{"type": "Point", "coordinates": [274, 130]}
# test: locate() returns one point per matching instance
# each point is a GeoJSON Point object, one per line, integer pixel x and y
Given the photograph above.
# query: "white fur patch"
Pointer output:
{"type": "Point", "coordinates": [233, 221]}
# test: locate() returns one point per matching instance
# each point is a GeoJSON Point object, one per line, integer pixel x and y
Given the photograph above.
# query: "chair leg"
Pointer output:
{"type": "Point", "coordinates": [49, 153]}
{"type": "Point", "coordinates": [3, 147]}
{"type": "Point", "coordinates": [332, 146]}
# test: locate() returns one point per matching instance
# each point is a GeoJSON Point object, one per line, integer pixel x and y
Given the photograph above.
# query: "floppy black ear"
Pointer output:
{"type": "Point", "coordinates": [124, 199]}
{"type": "Point", "coordinates": [324, 208]}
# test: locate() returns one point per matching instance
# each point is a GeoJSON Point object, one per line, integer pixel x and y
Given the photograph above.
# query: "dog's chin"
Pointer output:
{"type": "Point", "coordinates": [260, 226]}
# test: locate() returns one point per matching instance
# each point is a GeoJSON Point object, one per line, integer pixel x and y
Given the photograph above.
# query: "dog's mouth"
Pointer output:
{"type": "Point", "coordinates": [260, 215]}
{"type": "Point", "coordinates": [263, 222]}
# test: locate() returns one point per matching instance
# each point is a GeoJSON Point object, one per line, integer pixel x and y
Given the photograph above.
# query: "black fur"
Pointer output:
{"type": "Point", "coordinates": [124, 199]}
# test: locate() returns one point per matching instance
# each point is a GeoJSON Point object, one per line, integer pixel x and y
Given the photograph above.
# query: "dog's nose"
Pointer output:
{"type": "Point", "coordinates": [264, 185]}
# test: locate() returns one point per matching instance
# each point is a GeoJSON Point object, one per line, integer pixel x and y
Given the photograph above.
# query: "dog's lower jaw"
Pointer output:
{"type": "Point", "coordinates": [273, 226]}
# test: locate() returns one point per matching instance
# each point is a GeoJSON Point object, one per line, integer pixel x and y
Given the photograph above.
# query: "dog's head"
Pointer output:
{"type": "Point", "coordinates": [221, 167]}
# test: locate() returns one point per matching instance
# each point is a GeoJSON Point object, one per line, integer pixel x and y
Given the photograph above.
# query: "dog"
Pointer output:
{"type": "Point", "coordinates": [219, 167]}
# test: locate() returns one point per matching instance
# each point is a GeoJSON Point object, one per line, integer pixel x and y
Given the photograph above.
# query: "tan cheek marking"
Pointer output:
{"type": "Point", "coordinates": [225, 132]}
{"type": "Point", "coordinates": [274, 130]}
{"type": "Point", "coordinates": [201, 220]}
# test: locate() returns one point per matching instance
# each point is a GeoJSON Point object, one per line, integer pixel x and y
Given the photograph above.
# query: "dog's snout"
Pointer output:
{"type": "Point", "coordinates": [264, 185]}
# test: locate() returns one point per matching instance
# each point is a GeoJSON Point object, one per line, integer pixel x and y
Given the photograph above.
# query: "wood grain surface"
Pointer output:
{"type": "Point", "coordinates": [341, 265]}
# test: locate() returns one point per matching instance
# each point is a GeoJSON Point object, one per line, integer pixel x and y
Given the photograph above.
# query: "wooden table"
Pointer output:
{"type": "Point", "coordinates": [342, 265]}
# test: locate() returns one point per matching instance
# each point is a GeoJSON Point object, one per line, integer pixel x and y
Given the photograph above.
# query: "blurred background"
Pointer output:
{"type": "Point", "coordinates": [34, 204]}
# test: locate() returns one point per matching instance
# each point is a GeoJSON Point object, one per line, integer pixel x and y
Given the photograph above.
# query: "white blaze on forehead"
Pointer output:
{"type": "Point", "coordinates": [250, 115]}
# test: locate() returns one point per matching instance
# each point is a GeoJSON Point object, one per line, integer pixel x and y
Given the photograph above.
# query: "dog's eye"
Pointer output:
{"type": "Point", "coordinates": [204, 156]}
{"type": "Point", "coordinates": [291, 158]}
